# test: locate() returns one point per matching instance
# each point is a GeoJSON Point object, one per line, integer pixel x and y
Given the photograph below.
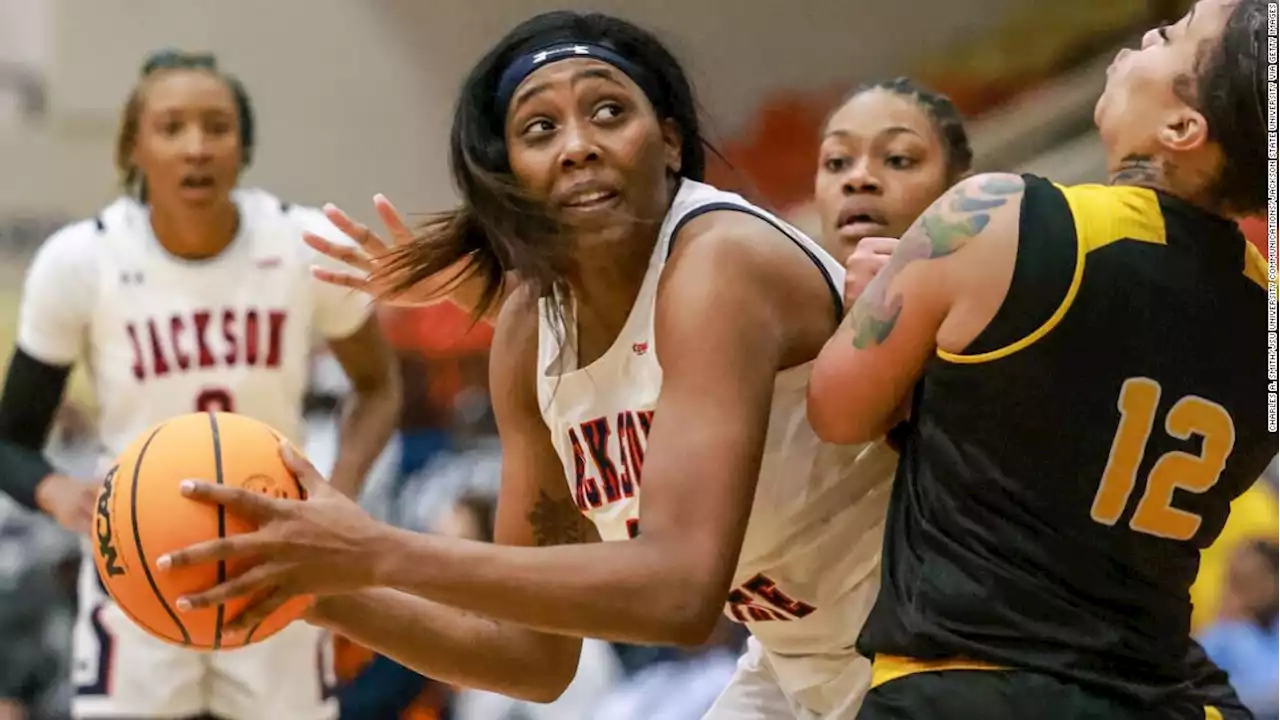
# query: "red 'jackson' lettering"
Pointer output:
{"type": "Point", "coordinates": [186, 341]}
{"type": "Point", "coordinates": [608, 458]}
{"type": "Point", "coordinates": [760, 600]}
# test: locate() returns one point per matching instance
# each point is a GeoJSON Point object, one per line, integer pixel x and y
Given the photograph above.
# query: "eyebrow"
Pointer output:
{"type": "Point", "coordinates": [591, 73]}
{"type": "Point", "coordinates": [174, 110]}
{"type": "Point", "coordinates": [891, 131]}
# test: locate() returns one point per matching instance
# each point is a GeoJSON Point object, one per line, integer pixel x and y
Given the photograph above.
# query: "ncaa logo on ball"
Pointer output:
{"type": "Point", "coordinates": [102, 528]}
{"type": "Point", "coordinates": [265, 485]}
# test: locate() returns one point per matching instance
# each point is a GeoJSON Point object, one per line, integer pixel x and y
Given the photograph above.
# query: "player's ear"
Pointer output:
{"type": "Point", "coordinates": [673, 139]}
{"type": "Point", "coordinates": [1186, 130]}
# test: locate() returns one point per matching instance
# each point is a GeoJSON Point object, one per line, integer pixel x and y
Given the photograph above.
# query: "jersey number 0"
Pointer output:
{"type": "Point", "coordinates": [215, 399]}
{"type": "Point", "coordinates": [1155, 514]}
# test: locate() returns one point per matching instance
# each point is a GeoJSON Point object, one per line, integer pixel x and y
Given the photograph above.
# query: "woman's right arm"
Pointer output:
{"type": "Point", "coordinates": [52, 323]}
{"type": "Point", "coordinates": [28, 406]}
{"type": "Point", "coordinates": [534, 509]}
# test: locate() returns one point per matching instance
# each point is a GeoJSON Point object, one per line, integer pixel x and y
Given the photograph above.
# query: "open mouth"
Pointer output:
{"type": "Point", "coordinates": [587, 200]}
{"type": "Point", "coordinates": [861, 223]}
{"type": "Point", "coordinates": [197, 182]}
{"type": "Point", "coordinates": [862, 219]}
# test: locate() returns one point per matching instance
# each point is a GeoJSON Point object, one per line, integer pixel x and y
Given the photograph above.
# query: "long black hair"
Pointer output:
{"type": "Point", "coordinates": [498, 227]}
{"type": "Point", "coordinates": [1229, 86]}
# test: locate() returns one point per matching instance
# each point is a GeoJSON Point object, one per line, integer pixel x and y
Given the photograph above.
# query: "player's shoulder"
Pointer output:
{"type": "Point", "coordinates": [1103, 214]}
{"type": "Point", "coordinates": [740, 255]}
{"type": "Point", "coordinates": [738, 242]}
{"type": "Point", "coordinates": [709, 225]}
{"type": "Point", "coordinates": [519, 319]}
{"type": "Point", "coordinates": [82, 242]}
{"type": "Point", "coordinates": [278, 224]}
{"type": "Point", "coordinates": [75, 239]}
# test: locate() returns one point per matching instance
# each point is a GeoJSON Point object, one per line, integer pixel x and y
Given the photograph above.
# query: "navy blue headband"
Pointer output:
{"type": "Point", "coordinates": [530, 62]}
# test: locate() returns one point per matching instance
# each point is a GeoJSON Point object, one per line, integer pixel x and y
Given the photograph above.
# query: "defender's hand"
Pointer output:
{"type": "Point", "coordinates": [868, 258]}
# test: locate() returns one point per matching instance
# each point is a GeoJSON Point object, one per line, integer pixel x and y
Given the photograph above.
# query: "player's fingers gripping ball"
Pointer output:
{"type": "Point", "coordinates": [141, 515]}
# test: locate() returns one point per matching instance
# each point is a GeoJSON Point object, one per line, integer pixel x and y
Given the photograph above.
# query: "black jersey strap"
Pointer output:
{"type": "Point", "coordinates": [837, 293]}
{"type": "Point", "coordinates": [1043, 269]}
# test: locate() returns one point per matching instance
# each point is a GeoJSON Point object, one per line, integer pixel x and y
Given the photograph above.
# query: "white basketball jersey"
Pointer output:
{"type": "Point", "coordinates": [809, 566]}
{"type": "Point", "coordinates": [164, 336]}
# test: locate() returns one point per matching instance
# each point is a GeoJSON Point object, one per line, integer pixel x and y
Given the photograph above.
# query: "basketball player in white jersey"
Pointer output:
{"type": "Point", "coordinates": [648, 380]}
{"type": "Point", "coordinates": [187, 295]}
{"type": "Point", "coordinates": [888, 152]}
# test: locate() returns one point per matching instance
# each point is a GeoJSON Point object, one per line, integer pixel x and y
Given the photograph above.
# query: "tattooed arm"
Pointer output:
{"type": "Point", "coordinates": [534, 510]}
{"type": "Point", "coordinates": [944, 283]}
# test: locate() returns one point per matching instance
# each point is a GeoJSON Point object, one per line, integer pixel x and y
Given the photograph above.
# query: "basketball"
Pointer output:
{"type": "Point", "coordinates": [141, 515]}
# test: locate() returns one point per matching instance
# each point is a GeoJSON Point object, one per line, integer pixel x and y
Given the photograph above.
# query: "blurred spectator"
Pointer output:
{"type": "Point", "coordinates": [1244, 641]}
{"type": "Point", "coordinates": [374, 687]}
{"type": "Point", "coordinates": [1254, 515]}
{"type": "Point", "coordinates": [38, 563]}
{"type": "Point", "coordinates": [442, 353]}
{"type": "Point", "coordinates": [38, 567]}
{"type": "Point", "coordinates": [682, 688]}
{"type": "Point", "coordinates": [327, 389]}
{"type": "Point", "coordinates": [1271, 476]}
{"type": "Point", "coordinates": [370, 686]}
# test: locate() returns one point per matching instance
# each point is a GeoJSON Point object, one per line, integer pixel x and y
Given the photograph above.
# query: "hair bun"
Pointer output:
{"type": "Point", "coordinates": [173, 58]}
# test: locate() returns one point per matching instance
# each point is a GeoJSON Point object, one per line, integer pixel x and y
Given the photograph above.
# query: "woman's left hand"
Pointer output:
{"type": "Point", "coordinates": [324, 544]}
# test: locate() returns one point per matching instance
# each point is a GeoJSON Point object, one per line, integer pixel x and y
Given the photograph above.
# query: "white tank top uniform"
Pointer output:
{"type": "Point", "coordinates": [809, 567]}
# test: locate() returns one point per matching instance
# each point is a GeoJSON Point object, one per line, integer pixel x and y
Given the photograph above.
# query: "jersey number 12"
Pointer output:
{"type": "Point", "coordinates": [1155, 514]}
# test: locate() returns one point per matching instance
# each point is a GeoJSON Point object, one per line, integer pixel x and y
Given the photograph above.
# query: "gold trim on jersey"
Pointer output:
{"type": "Point", "coordinates": [1103, 214]}
{"type": "Point", "coordinates": [886, 668]}
{"type": "Point", "coordinates": [891, 667]}
{"type": "Point", "coordinates": [1255, 265]}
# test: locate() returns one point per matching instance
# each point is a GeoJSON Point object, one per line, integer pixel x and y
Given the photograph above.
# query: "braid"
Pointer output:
{"type": "Point", "coordinates": [947, 120]}
{"type": "Point", "coordinates": [170, 59]}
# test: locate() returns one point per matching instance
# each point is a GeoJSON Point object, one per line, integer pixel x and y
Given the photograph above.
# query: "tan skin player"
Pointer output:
{"type": "Point", "coordinates": [187, 127]}
{"type": "Point", "coordinates": [947, 297]}
{"type": "Point", "coordinates": [1178, 116]}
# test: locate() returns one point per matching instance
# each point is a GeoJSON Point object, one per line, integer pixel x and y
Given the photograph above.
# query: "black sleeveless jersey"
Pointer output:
{"type": "Point", "coordinates": [1060, 477]}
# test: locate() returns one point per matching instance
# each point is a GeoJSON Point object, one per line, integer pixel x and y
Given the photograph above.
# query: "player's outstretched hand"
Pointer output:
{"type": "Point", "coordinates": [323, 544]}
{"type": "Point", "coordinates": [369, 261]}
{"type": "Point", "coordinates": [868, 258]}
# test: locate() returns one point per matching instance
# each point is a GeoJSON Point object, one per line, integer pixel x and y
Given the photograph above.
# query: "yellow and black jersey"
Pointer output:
{"type": "Point", "coordinates": [1060, 476]}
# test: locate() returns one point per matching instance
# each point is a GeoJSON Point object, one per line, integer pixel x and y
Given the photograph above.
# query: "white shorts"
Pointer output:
{"type": "Point", "coordinates": [121, 672]}
{"type": "Point", "coordinates": [755, 693]}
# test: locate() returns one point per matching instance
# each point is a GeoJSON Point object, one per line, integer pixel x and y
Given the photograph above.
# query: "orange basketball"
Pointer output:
{"type": "Point", "coordinates": [141, 515]}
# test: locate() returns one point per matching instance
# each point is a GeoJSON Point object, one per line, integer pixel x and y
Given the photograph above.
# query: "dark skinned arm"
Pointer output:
{"type": "Point", "coordinates": [370, 414]}
{"type": "Point", "coordinates": [534, 509]}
